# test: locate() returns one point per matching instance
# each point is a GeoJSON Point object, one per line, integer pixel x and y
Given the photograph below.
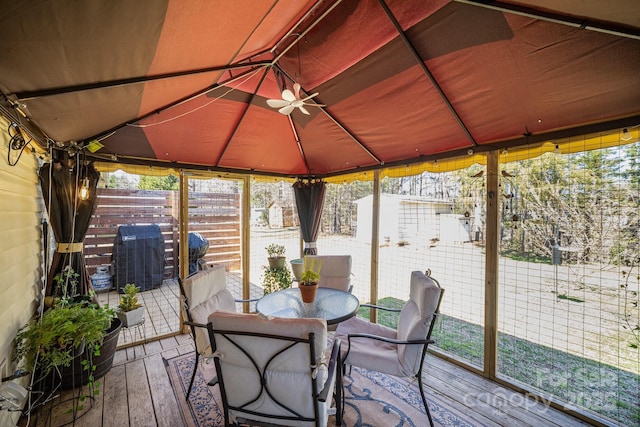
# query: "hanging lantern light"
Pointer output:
{"type": "Point", "coordinates": [84, 189]}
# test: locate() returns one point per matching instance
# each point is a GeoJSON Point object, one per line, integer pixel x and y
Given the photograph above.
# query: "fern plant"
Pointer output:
{"type": "Point", "coordinates": [54, 338]}
{"type": "Point", "coordinates": [74, 324]}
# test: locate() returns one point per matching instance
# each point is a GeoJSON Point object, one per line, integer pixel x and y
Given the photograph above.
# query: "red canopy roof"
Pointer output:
{"type": "Point", "coordinates": [187, 82]}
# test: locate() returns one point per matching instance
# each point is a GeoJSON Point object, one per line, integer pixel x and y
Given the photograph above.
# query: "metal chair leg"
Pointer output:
{"type": "Point", "coordinates": [193, 376]}
{"type": "Point", "coordinates": [339, 395]}
{"type": "Point", "coordinates": [424, 400]}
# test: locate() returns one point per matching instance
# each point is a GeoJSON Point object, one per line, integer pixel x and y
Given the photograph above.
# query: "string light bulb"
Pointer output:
{"type": "Point", "coordinates": [626, 135]}
{"type": "Point", "coordinates": [84, 189]}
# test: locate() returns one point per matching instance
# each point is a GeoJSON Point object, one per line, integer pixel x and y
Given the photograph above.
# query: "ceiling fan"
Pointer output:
{"type": "Point", "coordinates": [291, 100]}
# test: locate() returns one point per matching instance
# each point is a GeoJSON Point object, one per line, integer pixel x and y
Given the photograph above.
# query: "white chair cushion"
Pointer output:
{"type": "Point", "coordinates": [200, 286]}
{"type": "Point", "coordinates": [223, 300]}
{"type": "Point", "coordinates": [335, 271]}
{"type": "Point", "coordinates": [410, 327]}
{"type": "Point", "coordinates": [415, 319]}
{"type": "Point", "coordinates": [425, 293]}
{"type": "Point", "coordinates": [372, 354]}
{"type": "Point", "coordinates": [288, 375]}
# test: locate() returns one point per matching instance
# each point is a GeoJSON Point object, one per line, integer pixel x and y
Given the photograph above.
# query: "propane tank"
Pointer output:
{"type": "Point", "coordinates": [101, 280]}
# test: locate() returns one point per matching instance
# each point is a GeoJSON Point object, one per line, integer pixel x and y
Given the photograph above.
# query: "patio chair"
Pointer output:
{"type": "Point", "coordinates": [335, 271]}
{"type": "Point", "coordinates": [275, 370]}
{"type": "Point", "coordinates": [203, 293]}
{"type": "Point", "coordinates": [400, 353]}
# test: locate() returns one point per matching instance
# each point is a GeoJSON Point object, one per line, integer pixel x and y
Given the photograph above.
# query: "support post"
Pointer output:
{"type": "Point", "coordinates": [375, 245]}
{"type": "Point", "coordinates": [246, 243]}
{"type": "Point", "coordinates": [183, 231]}
{"type": "Point", "coordinates": [491, 267]}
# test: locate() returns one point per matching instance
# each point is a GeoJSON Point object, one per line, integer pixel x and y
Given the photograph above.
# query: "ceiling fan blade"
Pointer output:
{"type": "Point", "coordinates": [286, 110]}
{"type": "Point", "coordinates": [277, 103]}
{"type": "Point", "coordinates": [304, 110]}
{"type": "Point", "coordinates": [313, 104]}
{"type": "Point", "coordinates": [296, 90]}
{"type": "Point", "coordinates": [310, 96]}
{"type": "Point", "coordinates": [287, 95]}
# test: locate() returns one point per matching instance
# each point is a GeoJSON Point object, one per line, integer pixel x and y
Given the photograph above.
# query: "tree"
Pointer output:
{"type": "Point", "coordinates": [339, 210]}
{"type": "Point", "coordinates": [118, 179]}
{"type": "Point", "coordinates": [170, 182]}
{"type": "Point", "coordinates": [541, 204]}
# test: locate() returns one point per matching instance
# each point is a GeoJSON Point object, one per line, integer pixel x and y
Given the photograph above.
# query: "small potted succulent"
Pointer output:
{"type": "Point", "coordinates": [130, 311]}
{"type": "Point", "coordinates": [275, 254]}
{"type": "Point", "coordinates": [309, 279]}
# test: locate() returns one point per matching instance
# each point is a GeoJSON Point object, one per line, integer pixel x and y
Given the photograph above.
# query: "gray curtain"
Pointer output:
{"type": "Point", "coordinates": [309, 200]}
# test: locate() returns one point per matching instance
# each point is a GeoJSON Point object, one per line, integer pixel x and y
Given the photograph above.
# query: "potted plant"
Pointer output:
{"type": "Point", "coordinates": [67, 343]}
{"type": "Point", "coordinates": [130, 311]}
{"type": "Point", "coordinates": [60, 334]}
{"type": "Point", "coordinates": [276, 279]}
{"type": "Point", "coordinates": [309, 279]}
{"type": "Point", "coordinates": [275, 254]}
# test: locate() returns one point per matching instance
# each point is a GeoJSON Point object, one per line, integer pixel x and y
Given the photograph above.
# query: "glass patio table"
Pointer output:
{"type": "Point", "coordinates": [330, 304]}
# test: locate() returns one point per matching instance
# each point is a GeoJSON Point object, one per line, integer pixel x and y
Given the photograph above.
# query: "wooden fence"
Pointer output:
{"type": "Point", "coordinates": [214, 215]}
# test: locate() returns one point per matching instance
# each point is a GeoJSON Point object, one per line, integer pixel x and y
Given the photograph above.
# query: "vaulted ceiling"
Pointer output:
{"type": "Point", "coordinates": [186, 83]}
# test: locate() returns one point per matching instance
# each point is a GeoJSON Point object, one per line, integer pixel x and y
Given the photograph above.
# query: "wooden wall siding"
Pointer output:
{"type": "Point", "coordinates": [21, 256]}
{"type": "Point", "coordinates": [216, 216]}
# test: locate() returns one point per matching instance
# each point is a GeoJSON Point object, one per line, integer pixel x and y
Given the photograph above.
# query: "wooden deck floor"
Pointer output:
{"type": "Point", "coordinates": [137, 392]}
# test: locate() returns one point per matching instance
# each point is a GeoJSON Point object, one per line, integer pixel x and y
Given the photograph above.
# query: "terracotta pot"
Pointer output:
{"type": "Point", "coordinates": [308, 292]}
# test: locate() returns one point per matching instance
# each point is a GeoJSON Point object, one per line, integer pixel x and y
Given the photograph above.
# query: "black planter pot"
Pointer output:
{"type": "Point", "coordinates": [75, 376]}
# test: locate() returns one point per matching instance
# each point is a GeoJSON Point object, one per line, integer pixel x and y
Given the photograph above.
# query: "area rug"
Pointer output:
{"type": "Point", "coordinates": [372, 399]}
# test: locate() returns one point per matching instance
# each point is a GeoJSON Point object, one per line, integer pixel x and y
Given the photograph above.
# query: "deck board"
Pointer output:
{"type": "Point", "coordinates": [461, 382]}
{"type": "Point", "coordinates": [164, 402]}
{"type": "Point", "coordinates": [115, 402]}
{"type": "Point", "coordinates": [141, 408]}
{"type": "Point", "coordinates": [488, 402]}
